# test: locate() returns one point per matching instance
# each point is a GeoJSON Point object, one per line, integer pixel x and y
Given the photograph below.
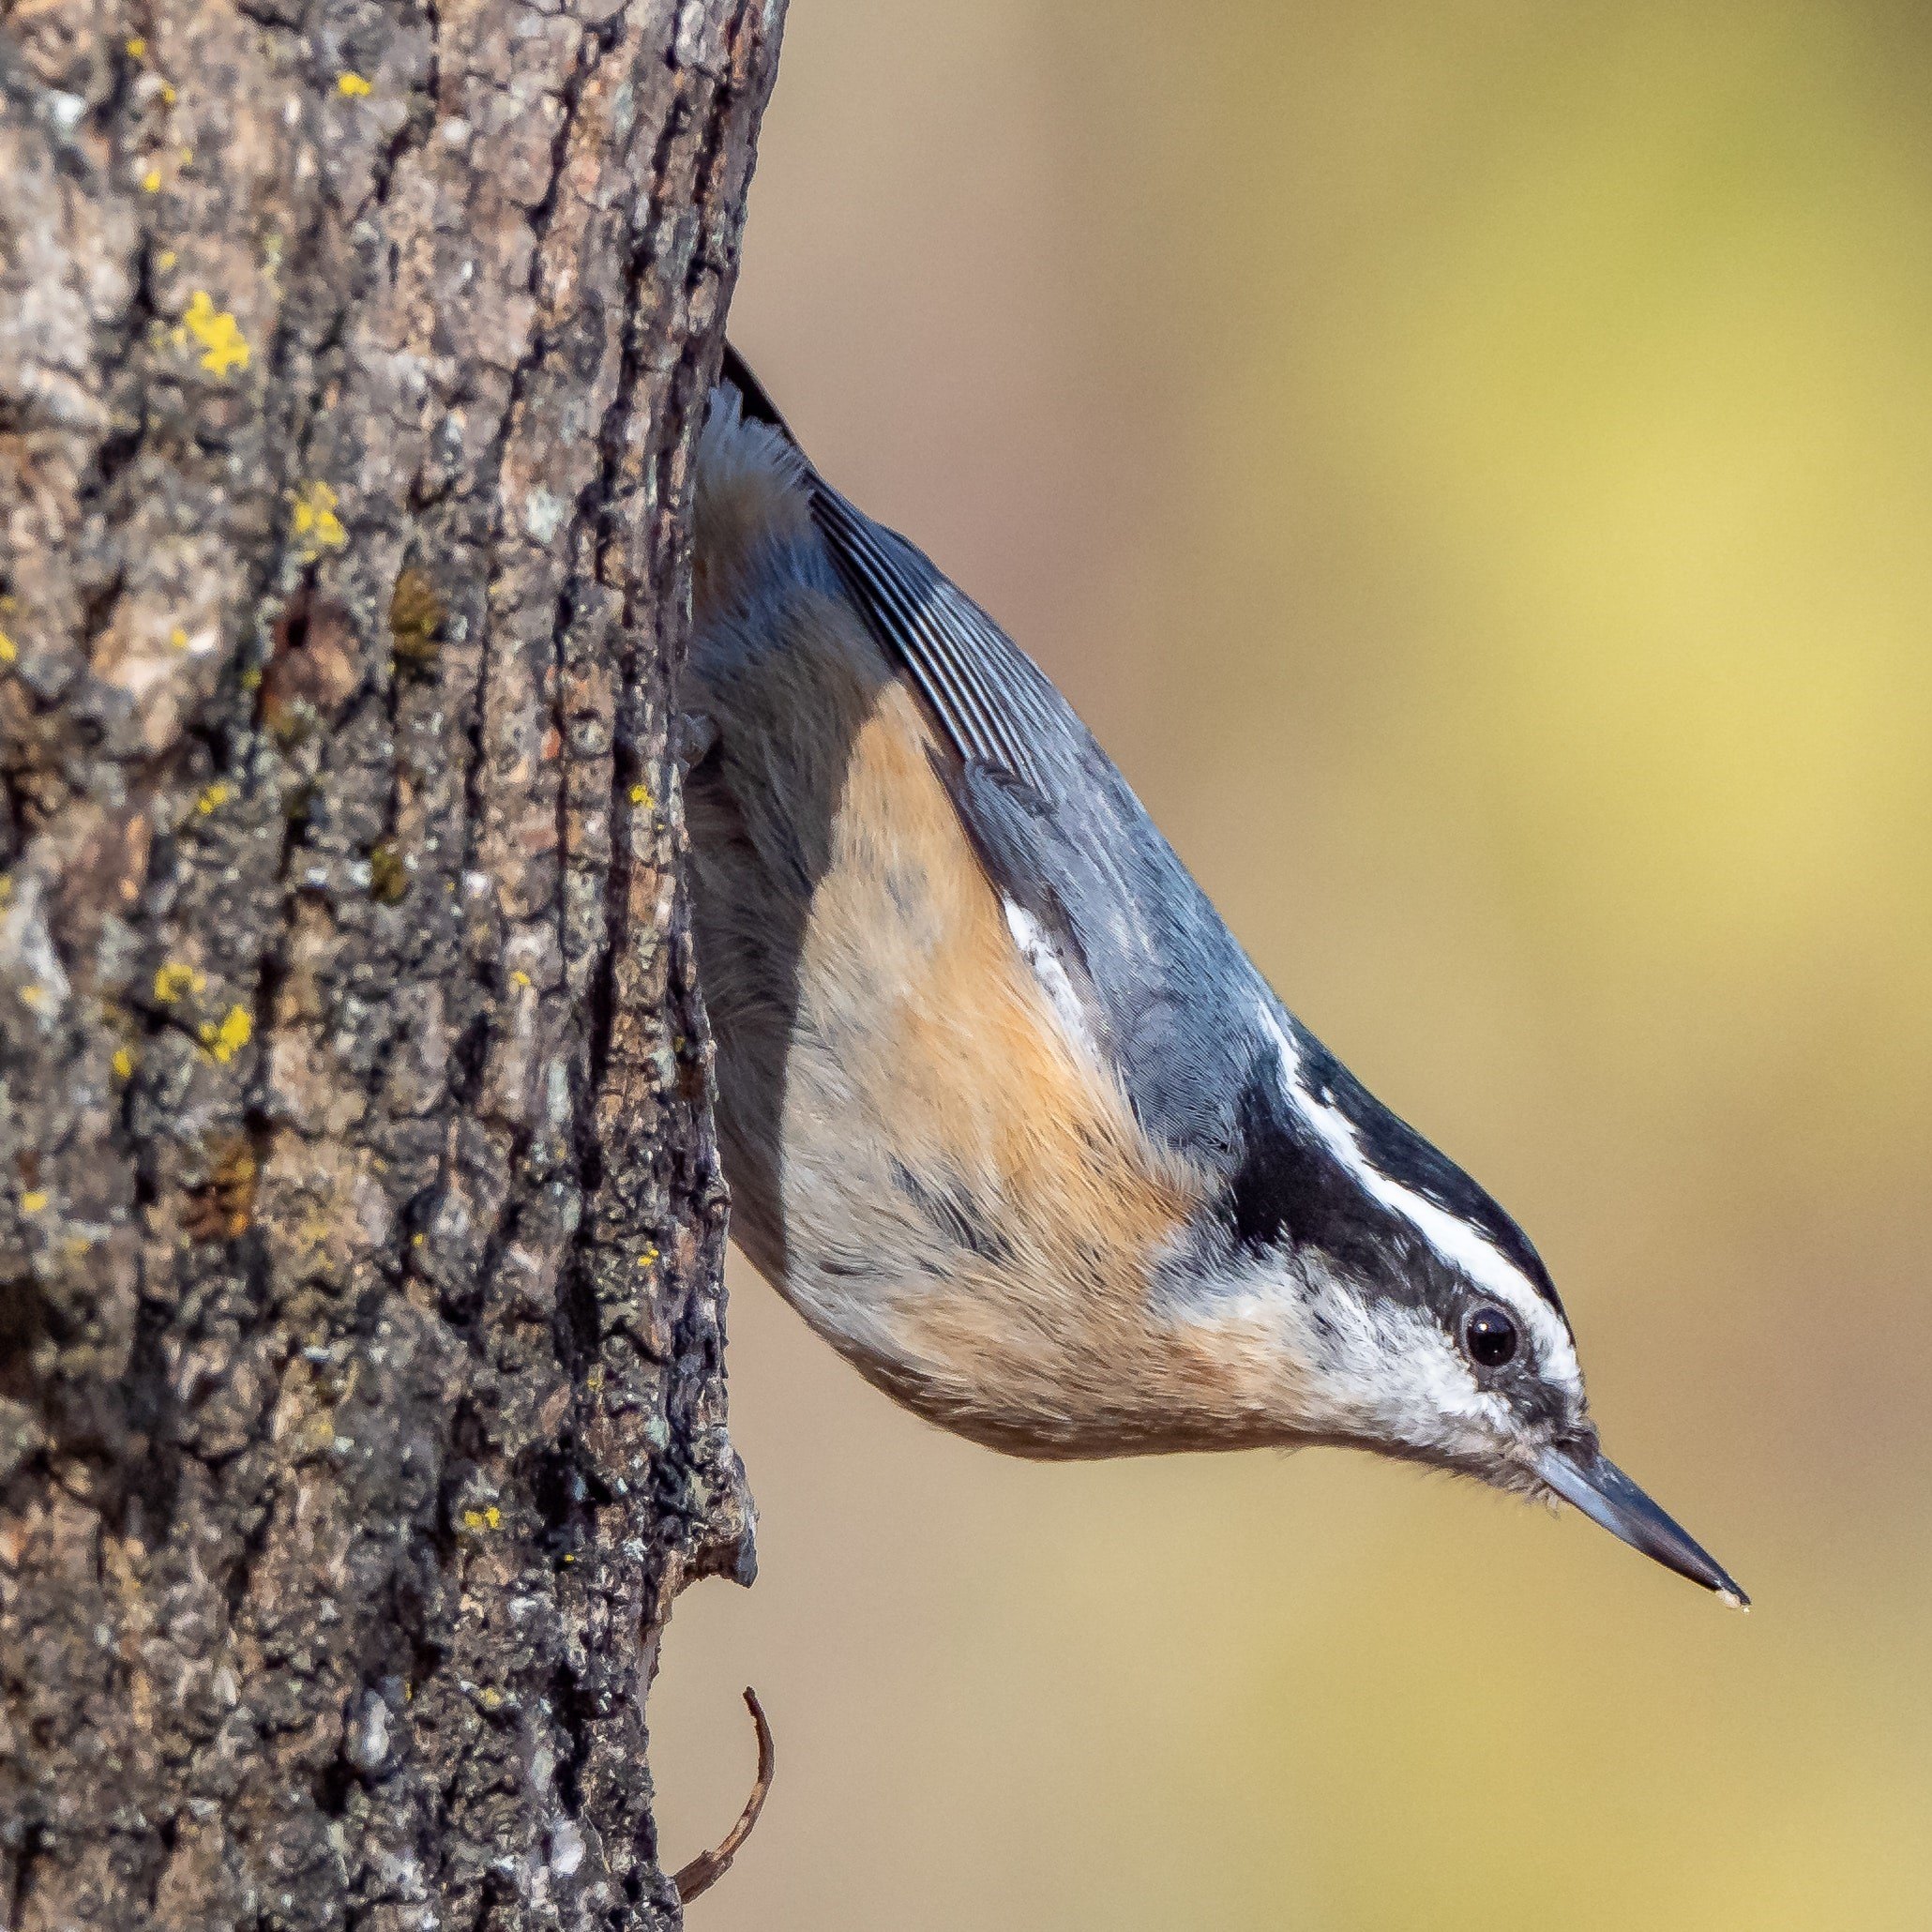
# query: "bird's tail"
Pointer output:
{"type": "Point", "coordinates": [752, 484]}
{"type": "Point", "coordinates": [758, 405]}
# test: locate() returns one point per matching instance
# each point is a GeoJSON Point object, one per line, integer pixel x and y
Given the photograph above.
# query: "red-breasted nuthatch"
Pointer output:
{"type": "Point", "coordinates": [1007, 1113]}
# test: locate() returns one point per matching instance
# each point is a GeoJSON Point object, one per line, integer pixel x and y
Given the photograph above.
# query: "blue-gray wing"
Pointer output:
{"type": "Point", "coordinates": [1168, 995]}
{"type": "Point", "coordinates": [993, 701]}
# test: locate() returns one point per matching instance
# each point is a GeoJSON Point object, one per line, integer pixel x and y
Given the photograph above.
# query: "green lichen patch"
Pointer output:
{"type": "Point", "coordinates": [388, 874]}
{"type": "Point", "coordinates": [416, 617]}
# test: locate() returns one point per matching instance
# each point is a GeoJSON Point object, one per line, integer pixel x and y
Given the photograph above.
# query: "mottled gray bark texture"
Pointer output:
{"type": "Point", "coordinates": [361, 1382]}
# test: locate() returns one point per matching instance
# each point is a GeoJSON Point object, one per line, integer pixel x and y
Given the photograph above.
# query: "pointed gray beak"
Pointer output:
{"type": "Point", "coordinates": [1582, 1474]}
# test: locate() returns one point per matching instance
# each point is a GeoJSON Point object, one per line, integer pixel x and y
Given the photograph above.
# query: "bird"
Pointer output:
{"type": "Point", "coordinates": [1005, 1111]}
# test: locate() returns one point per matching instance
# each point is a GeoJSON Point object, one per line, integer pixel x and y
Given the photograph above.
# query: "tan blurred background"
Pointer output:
{"type": "Point", "coordinates": [1472, 466]}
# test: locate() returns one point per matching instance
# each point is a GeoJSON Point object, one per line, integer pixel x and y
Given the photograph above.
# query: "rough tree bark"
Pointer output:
{"type": "Point", "coordinates": [361, 1395]}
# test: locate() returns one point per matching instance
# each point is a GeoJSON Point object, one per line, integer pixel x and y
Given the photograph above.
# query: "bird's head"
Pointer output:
{"type": "Point", "coordinates": [1407, 1313]}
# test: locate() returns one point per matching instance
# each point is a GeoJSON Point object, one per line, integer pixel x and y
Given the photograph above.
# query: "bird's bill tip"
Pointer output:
{"type": "Point", "coordinates": [1587, 1479]}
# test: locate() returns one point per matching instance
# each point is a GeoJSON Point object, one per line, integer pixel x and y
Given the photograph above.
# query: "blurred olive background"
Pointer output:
{"type": "Point", "coordinates": [1471, 463]}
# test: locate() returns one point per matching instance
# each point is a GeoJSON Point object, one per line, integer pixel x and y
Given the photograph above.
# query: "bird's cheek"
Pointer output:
{"type": "Point", "coordinates": [1483, 1432]}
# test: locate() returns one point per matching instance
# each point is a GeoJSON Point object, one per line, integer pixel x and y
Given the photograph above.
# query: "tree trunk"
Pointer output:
{"type": "Point", "coordinates": [361, 1381]}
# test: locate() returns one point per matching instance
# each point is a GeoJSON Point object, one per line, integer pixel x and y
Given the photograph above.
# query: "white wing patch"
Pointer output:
{"type": "Point", "coordinates": [1049, 970]}
{"type": "Point", "coordinates": [1461, 1245]}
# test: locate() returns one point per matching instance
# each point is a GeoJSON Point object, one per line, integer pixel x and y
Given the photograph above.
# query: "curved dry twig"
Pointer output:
{"type": "Point", "coordinates": [709, 1867]}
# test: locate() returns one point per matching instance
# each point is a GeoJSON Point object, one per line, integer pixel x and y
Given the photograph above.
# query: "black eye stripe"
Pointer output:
{"type": "Point", "coordinates": [1490, 1337]}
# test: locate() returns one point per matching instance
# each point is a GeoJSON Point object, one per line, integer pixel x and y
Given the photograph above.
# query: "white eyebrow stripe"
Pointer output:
{"type": "Point", "coordinates": [1463, 1246]}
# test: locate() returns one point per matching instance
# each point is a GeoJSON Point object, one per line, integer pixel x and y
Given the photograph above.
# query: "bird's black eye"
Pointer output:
{"type": "Point", "coordinates": [1490, 1337]}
